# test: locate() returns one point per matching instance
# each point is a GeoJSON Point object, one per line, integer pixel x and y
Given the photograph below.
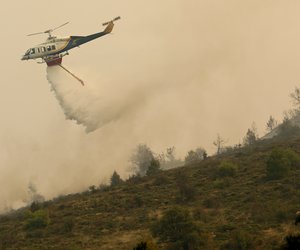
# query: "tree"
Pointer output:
{"type": "Point", "coordinates": [195, 156]}
{"type": "Point", "coordinates": [168, 160]}
{"type": "Point", "coordinates": [219, 143]}
{"type": "Point", "coordinates": [251, 135]}
{"type": "Point", "coordinates": [154, 167]}
{"type": "Point", "coordinates": [115, 179]}
{"type": "Point", "coordinates": [171, 154]}
{"type": "Point", "coordinates": [288, 128]}
{"type": "Point", "coordinates": [141, 159]}
{"type": "Point", "coordinates": [271, 124]}
{"type": "Point", "coordinates": [296, 98]}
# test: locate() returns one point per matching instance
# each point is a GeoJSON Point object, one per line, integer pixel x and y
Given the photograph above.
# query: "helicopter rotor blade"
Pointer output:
{"type": "Point", "coordinates": [115, 19]}
{"type": "Point", "coordinates": [38, 33]}
{"type": "Point", "coordinates": [48, 31]}
{"type": "Point", "coordinates": [59, 26]}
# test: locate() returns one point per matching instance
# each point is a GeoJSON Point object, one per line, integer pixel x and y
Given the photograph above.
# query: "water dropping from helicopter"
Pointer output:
{"type": "Point", "coordinates": [94, 107]}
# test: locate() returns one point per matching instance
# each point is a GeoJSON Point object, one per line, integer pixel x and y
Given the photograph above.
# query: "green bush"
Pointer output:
{"type": "Point", "coordinates": [227, 169]}
{"type": "Point", "coordinates": [177, 226]}
{"type": "Point", "coordinates": [293, 157]}
{"type": "Point", "coordinates": [280, 161]}
{"type": "Point", "coordinates": [36, 220]}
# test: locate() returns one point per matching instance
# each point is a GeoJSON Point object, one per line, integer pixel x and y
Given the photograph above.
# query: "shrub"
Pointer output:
{"type": "Point", "coordinates": [35, 206]}
{"type": "Point", "coordinates": [279, 163]}
{"type": "Point", "coordinates": [137, 201]}
{"type": "Point", "coordinates": [146, 245]}
{"type": "Point", "coordinates": [177, 226]}
{"type": "Point", "coordinates": [187, 191]}
{"type": "Point", "coordinates": [227, 169]}
{"type": "Point", "coordinates": [211, 202]}
{"type": "Point", "coordinates": [293, 157]}
{"type": "Point", "coordinates": [291, 242]}
{"type": "Point", "coordinates": [92, 189]}
{"type": "Point", "coordinates": [36, 220]}
{"type": "Point", "coordinates": [68, 225]}
{"type": "Point", "coordinates": [104, 188]}
{"type": "Point", "coordinates": [239, 240]}
{"type": "Point", "coordinates": [135, 179]}
{"type": "Point", "coordinates": [161, 180]}
{"type": "Point", "coordinates": [141, 246]}
{"type": "Point", "coordinates": [201, 215]}
{"type": "Point", "coordinates": [221, 183]}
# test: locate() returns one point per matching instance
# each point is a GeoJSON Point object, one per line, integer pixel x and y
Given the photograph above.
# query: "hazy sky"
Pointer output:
{"type": "Point", "coordinates": [174, 73]}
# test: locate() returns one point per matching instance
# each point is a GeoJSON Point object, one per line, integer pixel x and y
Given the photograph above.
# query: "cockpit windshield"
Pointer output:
{"type": "Point", "coordinates": [30, 52]}
{"type": "Point", "coordinates": [27, 52]}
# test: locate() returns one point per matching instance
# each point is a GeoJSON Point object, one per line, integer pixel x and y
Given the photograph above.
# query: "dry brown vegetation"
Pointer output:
{"type": "Point", "coordinates": [241, 211]}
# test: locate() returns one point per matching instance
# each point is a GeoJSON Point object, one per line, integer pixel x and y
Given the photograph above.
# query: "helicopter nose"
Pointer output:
{"type": "Point", "coordinates": [24, 58]}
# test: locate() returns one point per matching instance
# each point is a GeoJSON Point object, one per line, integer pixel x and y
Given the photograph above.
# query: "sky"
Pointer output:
{"type": "Point", "coordinates": [173, 73]}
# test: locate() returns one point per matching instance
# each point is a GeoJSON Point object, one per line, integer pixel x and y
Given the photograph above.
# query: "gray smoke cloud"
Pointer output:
{"type": "Point", "coordinates": [175, 73]}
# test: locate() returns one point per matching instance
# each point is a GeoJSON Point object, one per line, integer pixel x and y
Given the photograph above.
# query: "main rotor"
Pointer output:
{"type": "Point", "coordinates": [49, 31]}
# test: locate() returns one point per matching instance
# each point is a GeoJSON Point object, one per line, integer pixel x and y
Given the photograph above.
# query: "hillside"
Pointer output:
{"type": "Point", "coordinates": [246, 209]}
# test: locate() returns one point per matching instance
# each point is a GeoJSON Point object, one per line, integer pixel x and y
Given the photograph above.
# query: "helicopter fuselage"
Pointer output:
{"type": "Point", "coordinates": [55, 48]}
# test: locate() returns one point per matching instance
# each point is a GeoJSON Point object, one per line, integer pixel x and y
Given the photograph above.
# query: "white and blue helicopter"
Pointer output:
{"type": "Point", "coordinates": [55, 48]}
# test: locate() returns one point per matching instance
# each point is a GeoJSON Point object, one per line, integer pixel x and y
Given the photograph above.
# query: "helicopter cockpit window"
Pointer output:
{"type": "Point", "coordinates": [32, 51]}
{"type": "Point", "coordinates": [53, 47]}
{"type": "Point", "coordinates": [27, 52]}
{"type": "Point", "coordinates": [49, 48]}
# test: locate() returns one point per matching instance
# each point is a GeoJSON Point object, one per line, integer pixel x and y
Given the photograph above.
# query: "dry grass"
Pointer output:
{"type": "Point", "coordinates": [121, 217]}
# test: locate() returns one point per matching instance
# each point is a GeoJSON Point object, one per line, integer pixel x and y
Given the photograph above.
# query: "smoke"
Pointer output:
{"type": "Point", "coordinates": [176, 78]}
{"type": "Point", "coordinates": [92, 107]}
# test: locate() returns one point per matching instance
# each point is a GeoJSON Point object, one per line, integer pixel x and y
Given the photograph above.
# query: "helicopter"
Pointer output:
{"type": "Point", "coordinates": [55, 48]}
